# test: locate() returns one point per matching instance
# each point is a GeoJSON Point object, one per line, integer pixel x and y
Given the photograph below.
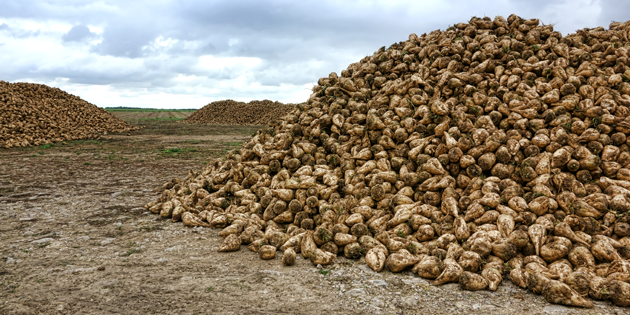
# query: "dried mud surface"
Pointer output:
{"type": "Point", "coordinates": [75, 239]}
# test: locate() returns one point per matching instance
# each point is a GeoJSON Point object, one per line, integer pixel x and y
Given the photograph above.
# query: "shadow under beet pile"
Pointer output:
{"type": "Point", "coordinates": [496, 149]}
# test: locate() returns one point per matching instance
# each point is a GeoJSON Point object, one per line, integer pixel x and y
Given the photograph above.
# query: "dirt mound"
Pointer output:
{"type": "Point", "coordinates": [35, 114]}
{"type": "Point", "coordinates": [495, 149]}
{"type": "Point", "coordinates": [229, 112]}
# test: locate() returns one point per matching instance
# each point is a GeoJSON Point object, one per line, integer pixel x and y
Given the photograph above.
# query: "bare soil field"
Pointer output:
{"type": "Point", "coordinates": [75, 239]}
{"type": "Point", "coordinates": [151, 114]}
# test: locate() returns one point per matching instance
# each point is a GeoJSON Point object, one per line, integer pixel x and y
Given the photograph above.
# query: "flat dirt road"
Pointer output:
{"type": "Point", "coordinates": [75, 239]}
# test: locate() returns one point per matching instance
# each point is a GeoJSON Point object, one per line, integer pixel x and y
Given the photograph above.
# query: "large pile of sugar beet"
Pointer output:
{"type": "Point", "coordinates": [229, 112]}
{"type": "Point", "coordinates": [493, 150]}
{"type": "Point", "coordinates": [36, 114]}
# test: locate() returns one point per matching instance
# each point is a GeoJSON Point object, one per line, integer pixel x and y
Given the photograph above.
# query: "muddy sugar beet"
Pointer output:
{"type": "Point", "coordinates": [231, 112]}
{"type": "Point", "coordinates": [35, 114]}
{"type": "Point", "coordinates": [496, 150]}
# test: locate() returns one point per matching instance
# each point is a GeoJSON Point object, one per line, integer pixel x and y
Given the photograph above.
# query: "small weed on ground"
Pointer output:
{"type": "Point", "coordinates": [173, 150]}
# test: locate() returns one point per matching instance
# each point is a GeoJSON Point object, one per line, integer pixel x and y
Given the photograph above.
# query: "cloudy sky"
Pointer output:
{"type": "Point", "coordinates": [185, 54]}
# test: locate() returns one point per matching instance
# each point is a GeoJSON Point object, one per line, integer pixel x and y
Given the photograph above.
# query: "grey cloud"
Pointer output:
{"type": "Point", "coordinates": [124, 39]}
{"type": "Point", "coordinates": [296, 74]}
{"type": "Point", "coordinates": [297, 41]}
{"type": "Point", "coordinates": [616, 11]}
{"type": "Point", "coordinates": [185, 49]}
{"type": "Point", "coordinates": [18, 33]}
{"type": "Point", "coordinates": [77, 33]}
{"type": "Point", "coordinates": [207, 49]}
{"type": "Point", "coordinates": [25, 34]}
{"type": "Point", "coordinates": [66, 10]}
{"type": "Point", "coordinates": [77, 74]}
{"type": "Point", "coordinates": [282, 34]}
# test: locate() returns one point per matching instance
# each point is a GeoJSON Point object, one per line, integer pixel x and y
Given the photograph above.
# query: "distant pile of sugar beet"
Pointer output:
{"type": "Point", "coordinates": [231, 112]}
{"type": "Point", "coordinates": [35, 114]}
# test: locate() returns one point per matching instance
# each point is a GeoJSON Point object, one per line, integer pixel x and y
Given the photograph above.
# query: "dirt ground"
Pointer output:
{"type": "Point", "coordinates": [149, 114]}
{"type": "Point", "coordinates": [75, 239]}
